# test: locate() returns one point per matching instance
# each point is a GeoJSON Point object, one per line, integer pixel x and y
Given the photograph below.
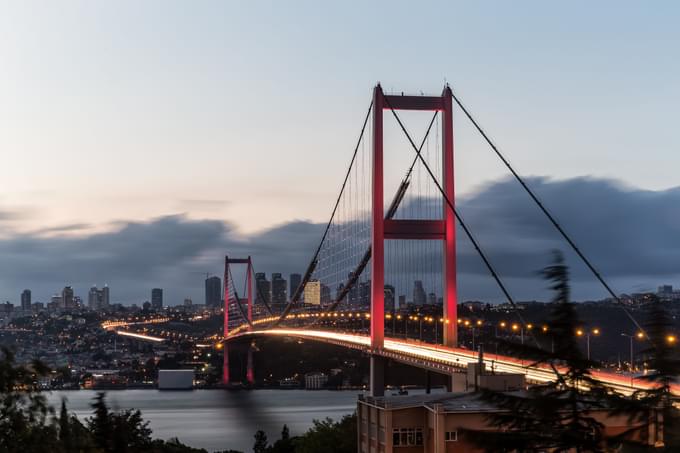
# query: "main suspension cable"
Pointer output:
{"type": "Point", "coordinates": [467, 231]}
{"type": "Point", "coordinates": [547, 213]}
{"type": "Point", "coordinates": [391, 211]}
{"type": "Point", "coordinates": [314, 261]}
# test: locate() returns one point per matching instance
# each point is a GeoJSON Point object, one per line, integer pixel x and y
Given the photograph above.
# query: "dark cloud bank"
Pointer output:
{"type": "Point", "coordinates": [632, 236]}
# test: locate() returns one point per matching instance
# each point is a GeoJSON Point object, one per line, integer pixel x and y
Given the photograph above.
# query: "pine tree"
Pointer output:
{"type": "Point", "coordinates": [100, 424]}
{"type": "Point", "coordinates": [653, 408]}
{"type": "Point", "coordinates": [551, 416]}
{"type": "Point", "coordinates": [65, 427]}
{"type": "Point", "coordinates": [260, 445]}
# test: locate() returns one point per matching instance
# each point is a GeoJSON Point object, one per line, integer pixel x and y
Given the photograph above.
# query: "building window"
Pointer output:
{"type": "Point", "coordinates": [451, 436]}
{"type": "Point", "coordinates": [407, 437]}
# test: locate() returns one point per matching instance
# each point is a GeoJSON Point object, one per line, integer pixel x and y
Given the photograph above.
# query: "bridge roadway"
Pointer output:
{"type": "Point", "coordinates": [443, 359]}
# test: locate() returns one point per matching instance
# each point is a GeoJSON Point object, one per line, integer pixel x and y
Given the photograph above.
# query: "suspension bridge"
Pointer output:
{"type": "Point", "coordinates": [381, 246]}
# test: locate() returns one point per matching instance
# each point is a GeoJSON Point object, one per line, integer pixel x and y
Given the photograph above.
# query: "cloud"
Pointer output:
{"type": "Point", "coordinates": [631, 236]}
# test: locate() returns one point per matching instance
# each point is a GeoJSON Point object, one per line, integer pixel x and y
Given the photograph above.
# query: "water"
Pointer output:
{"type": "Point", "coordinates": [217, 419]}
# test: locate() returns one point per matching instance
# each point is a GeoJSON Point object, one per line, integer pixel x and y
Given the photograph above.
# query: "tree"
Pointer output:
{"type": "Point", "coordinates": [119, 432]}
{"type": "Point", "coordinates": [284, 444]}
{"type": "Point", "coordinates": [23, 410]}
{"type": "Point", "coordinates": [100, 424]}
{"type": "Point", "coordinates": [552, 416]}
{"type": "Point", "coordinates": [65, 428]}
{"type": "Point", "coordinates": [260, 445]}
{"type": "Point", "coordinates": [329, 436]}
{"type": "Point", "coordinates": [653, 407]}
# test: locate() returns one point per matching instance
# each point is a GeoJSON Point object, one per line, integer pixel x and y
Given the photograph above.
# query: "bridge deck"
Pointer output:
{"type": "Point", "coordinates": [444, 359]}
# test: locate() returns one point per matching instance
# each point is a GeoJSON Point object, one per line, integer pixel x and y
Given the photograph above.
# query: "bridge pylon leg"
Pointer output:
{"type": "Point", "coordinates": [225, 364]}
{"type": "Point", "coordinates": [377, 376]}
{"type": "Point", "coordinates": [250, 374]}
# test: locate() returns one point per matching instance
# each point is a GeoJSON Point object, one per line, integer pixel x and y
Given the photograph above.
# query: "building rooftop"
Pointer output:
{"type": "Point", "coordinates": [449, 402]}
{"type": "Point", "coordinates": [443, 402]}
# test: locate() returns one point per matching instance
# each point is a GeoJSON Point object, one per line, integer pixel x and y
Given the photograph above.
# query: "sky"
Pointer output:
{"type": "Point", "coordinates": [139, 140]}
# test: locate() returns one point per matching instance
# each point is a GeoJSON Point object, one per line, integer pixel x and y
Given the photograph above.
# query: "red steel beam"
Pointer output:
{"type": "Point", "coordinates": [413, 102]}
{"type": "Point", "coordinates": [415, 229]}
{"type": "Point", "coordinates": [449, 273]}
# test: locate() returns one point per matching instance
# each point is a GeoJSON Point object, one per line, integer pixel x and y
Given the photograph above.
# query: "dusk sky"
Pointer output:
{"type": "Point", "coordinates": [141, 141]}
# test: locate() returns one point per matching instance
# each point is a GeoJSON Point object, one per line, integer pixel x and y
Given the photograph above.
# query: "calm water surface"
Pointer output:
{"type": "Point", "coordinates": [218, 419]}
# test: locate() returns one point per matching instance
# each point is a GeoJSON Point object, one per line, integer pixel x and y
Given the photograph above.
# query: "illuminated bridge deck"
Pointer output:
{"type": "Point", "coordinates": [445, 360]}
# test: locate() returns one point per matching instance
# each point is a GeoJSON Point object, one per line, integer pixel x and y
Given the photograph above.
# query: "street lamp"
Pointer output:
{"type": "Point", "coordinates": [580, 333]}
{"type": "Point", "coordinates": [639, 336]}
{"type": "Point", "coordinates": [515, 328]}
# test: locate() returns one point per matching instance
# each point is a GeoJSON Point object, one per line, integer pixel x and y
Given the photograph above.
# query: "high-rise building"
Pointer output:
{"type": "Point", "coordinates": [98, 299]}
{"type": "Point", "coordinates": [213, 292]}
{"type": "Point", "coordinates": [106, 301]}
{"type": "Point", "coordinates": [279, 286]}
{"type": "Point", "coordinates": [188, 302]}
{"type": "Point", "coordinates": [432, 299]}
{"type": "Point", "coordinates": [353, 293]}
{"type": "Point", "coordinates": [665, 291]}
{"type": "Point", "coordinates": [364, 293]}
{"type": "Point", "coordinates": [263, 288]}
{"type": "Point", "coordinates": [389, 298]}
{"type": "Point", "coordinates": [402, 301]}
{"type": "Point", "coordinates": [55, 302]}
{"type": "Point", "coordinates": [325, 294]}
{"type": "Point", "coordinates": [67, 297]}
{"type": "Point", "coordinates": [26, 300]}
{"type": "Point", "coordinates": [93, 298]}
{"type": "Point", "coordinates": [419, 297]}
{"type": "Point", "coordinates": [295, 280]}
{"type": "Point", "coordinates": [313, 292]}
{"type": "Point", "coordinates": [157, 298]}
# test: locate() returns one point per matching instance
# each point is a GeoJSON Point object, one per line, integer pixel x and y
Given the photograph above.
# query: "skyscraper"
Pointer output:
{"type": "Point", "coordinates": [67, 297]}
{"type": "Point", "coordinates": [105, 297]}
{"type": "Point", "coordinates": [213, 292]}
{"type": "Point", "coordinates": [157, 298]}
{"type": "Point", "coordinates": [419, 297]}
{"type": "Point", "coordinates": [313, 292]}
{"type": "Point", "coordinates": [295, 280]}
{"type": "Point", "coordinates": [432, 299]}
{"type": "Point", "coordinates": [389, 298]}
{"type": "Point", "coordinates": [279, 286]}
{"type": "Point", "coordinates": [263, 288]}
{"type": "Point", "coordinates": [98, 299]}
{"type": "Point", "coordinates": [26, 300]}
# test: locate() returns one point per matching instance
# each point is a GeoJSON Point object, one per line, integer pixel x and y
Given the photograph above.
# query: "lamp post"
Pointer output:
{"type": "Point", "coordinates": [580, 333]}
{"type": "Point", "coordinates": [515, 328]}
{"type": "Point", "coordinates": [639, 336]}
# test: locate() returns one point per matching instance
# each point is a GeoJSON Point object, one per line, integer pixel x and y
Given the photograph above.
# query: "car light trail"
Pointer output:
{"type": "Point", "coordinates": [453, 357]}
{"type": "Point", "coordinates": [139, 336]}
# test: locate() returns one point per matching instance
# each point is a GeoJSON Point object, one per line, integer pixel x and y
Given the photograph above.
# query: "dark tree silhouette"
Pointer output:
{"type": "Point", "coordinates": [652, 410]}
{"type": "Point", "coordinates": [552, 416]}
{"type": "Point", "coordinates": [260, 445]}
{"type": "Point", "coordinates": [23, 410]}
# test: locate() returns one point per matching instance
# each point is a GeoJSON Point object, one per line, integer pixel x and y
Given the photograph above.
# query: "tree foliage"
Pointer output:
{"type": "Point", "coordinates": [552, 416]}
{"type": "Point", "coordinates": [655, 407]}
